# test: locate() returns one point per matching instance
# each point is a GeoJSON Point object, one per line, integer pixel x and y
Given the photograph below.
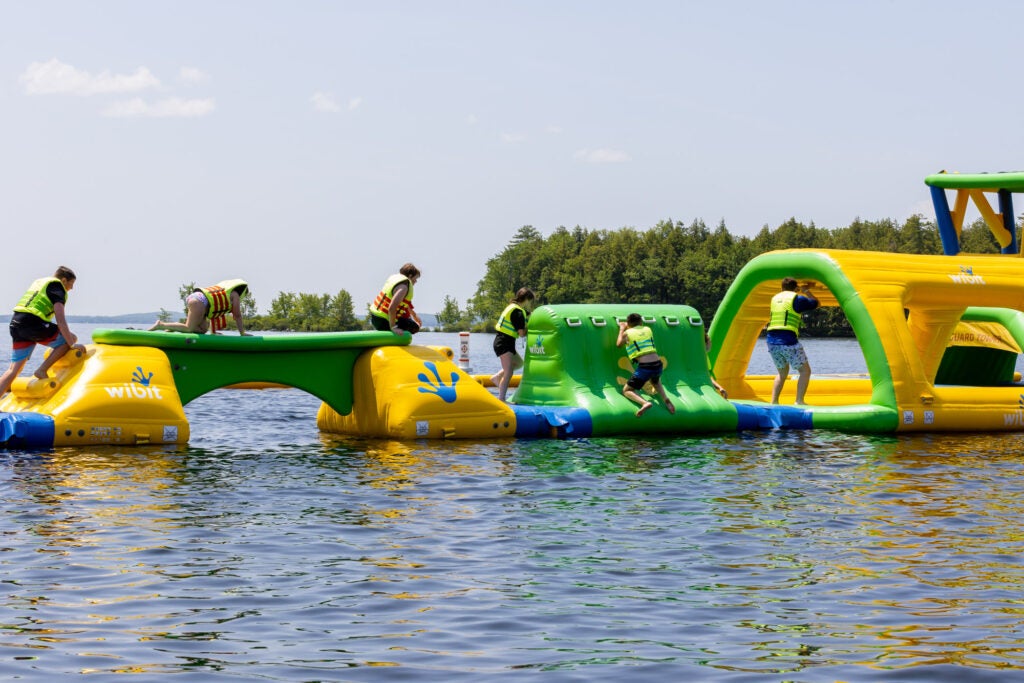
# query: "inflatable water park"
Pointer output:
{"type": "Point", "coordinates": [940, 335]}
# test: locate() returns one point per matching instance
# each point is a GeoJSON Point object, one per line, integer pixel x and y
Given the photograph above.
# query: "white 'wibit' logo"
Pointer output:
{"type": "Point", "coordinates": [139, 387]}
{"type": "Point", "coordinates": [966, 276]}
{"type": "Point", "coordinates": [134, 391]}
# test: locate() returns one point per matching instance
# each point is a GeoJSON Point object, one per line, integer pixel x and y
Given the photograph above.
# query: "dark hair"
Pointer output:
{"type": "Point", "coordinates": [789, 284]}
{"type": "Point", "coordinates": [633, 319]}
{"type": "Point", "coordinates": [523, 294]}
{"type": "Point", "coordinates": [409, 270]}
{"type": "Point", "coordinates": [65, 273]}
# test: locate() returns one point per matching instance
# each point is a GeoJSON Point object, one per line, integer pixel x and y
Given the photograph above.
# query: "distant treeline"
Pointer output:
{"type": "Point", "coordinates": [675, 263]}
{"type": "Point", "coordinates": [671, 263]}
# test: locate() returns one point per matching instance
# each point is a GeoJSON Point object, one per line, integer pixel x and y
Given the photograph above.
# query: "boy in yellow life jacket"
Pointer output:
{"type": "Point", "coordinates": [31, 325]}
{"type": "Point", "coordinates": [783, 337]}
{"type": "Point", "coordinates": [638, 339]}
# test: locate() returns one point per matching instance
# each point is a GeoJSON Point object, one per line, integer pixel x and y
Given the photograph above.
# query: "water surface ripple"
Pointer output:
{"type": "Point", "coordinates": [267, 551]}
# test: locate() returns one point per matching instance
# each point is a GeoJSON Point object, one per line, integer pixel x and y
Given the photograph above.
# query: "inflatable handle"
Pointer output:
{"type": "Point", "coordinates": [671, 320]}
{"type": "Point", "coordinates": [695, 321]}
{"type": "Point", "coordinates": [573, 322]}
{"type": "Point", "coordinates": [597, 321]}
{"type": "Point", "coordinates": [33, 387]}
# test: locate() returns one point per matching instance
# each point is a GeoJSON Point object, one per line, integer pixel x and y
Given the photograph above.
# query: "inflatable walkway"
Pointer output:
{"type": "Point", "coordinates": [130, 386]}
{"type": "Point", "coordinates": [571, 384]}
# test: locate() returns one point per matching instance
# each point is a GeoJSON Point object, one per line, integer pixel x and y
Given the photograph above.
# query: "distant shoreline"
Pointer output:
{"type": "Point", "coordinates": [125, 318]}
{"type": "Point", "coordinates": [429, 320]}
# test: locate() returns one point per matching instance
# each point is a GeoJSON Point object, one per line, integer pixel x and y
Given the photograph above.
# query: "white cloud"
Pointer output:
{"type": "Point", "coordinates": [553, 129]}
{"type": "Point", "coordinates": [513, 138]}
{"type": "Point", "coordinates": [192, 76]}
{"type": "Point", "coordinates": [472, 119]}
{"type": "Point", "coordinates": [169, 108]}
{"type": "Point", "coordinates": [57, 78]}
{"type": "Point", "coordinates": [354, 103]}
{"type": "Point", "coordinates": [324, 102]}
{"type": "Point", "coordinates": [601, 156]}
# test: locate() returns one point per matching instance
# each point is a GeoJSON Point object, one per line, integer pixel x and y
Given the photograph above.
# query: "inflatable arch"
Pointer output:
{"type": "Point", "coordinates": [904, 310]}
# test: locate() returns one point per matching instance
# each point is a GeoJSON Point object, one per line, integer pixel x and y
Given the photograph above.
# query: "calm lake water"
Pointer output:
{"type": "Point", "coordinates": [266, 551]}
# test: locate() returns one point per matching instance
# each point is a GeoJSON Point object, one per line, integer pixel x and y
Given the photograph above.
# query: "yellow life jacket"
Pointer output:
{"type": "Point", "coordinates": [783, 315]}
{"type": "Point", "coordinates": [383, 300]}
{"type": "Point", "coordinates": [36, 301]}
{"type": "Point", "coordinates": [504, 323]}
{"type": "Point", "coordinates": [639, 341]}
{"type": "Point", "coordinates": [219, 297]}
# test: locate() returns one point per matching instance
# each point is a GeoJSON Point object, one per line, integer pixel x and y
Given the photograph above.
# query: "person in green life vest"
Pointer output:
{"type": "Point", "coordinates": [31, 324]}
{"type": "Point", "coordinates": [208, 307]}
{"type": "Point", "coordinates": [511, 326]}
{"type": "Point", "coordinates": [783, 337]}
{"type": "Point", "coordinates": [392, 308]}
{"type": "Point", "coordinates": [638, 340]}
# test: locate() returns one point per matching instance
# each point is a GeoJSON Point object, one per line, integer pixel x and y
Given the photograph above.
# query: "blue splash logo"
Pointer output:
{"type": "Point", "coordinates": [141, 378]}
{"type": "Point", "coordinates": [538, 346]}
{"type": "Point", "coordinates": [436, 386]}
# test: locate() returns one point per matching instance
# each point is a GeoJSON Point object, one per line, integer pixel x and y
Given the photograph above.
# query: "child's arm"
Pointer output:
{"type": "Point", "coordinates": [236, 312]}
{"type": "Point", "coordinates": [62, 325]}
{"type": "Point", "coordinates": [621, 340]}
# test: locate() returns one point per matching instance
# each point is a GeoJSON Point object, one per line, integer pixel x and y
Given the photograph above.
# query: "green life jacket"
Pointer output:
{"type": "Point", "coordinates": [783, 315]}
{"type": "Point", "coordinates": [36, 301]}
{"type": "Point", "coordinates": [504, 323]}
{"type": "Point", "coordinates": [639, 341]}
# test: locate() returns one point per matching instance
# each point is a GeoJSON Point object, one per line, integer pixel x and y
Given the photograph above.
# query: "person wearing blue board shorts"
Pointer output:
{"type": "Point", "coordinates": [31, 324]}
{"type": "Point", "coordinates": [638, 340]}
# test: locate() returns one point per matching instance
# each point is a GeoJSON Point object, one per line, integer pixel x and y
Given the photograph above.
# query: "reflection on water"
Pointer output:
{"type": "Point", "coordinates": [267, 551]}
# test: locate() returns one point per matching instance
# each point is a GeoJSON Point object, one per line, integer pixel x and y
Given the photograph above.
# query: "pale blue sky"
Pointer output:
{"type": "Point", "coordinates": [316, 146]}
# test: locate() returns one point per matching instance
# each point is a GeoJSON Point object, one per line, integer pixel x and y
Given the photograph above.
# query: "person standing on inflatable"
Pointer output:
{"type": "Point", "coordinates": [647, 366]}
{"type": "Point", "coordinates": [31, 325]}
{"type": "Point", "coordinates": [208, 307]}
{"type": "Point", "coordinates": [510, 326]}
{"type": "Point", "coordinates": [392, 309]}
{"type": "Point", "coordinates": [784, 337]}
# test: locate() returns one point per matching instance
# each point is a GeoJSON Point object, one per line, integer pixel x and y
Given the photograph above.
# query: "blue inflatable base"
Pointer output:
{"type": "Point", "coordinates": [561, 422]}
{"type": "Point", "coordinates": [26, 431]}
{"type": "Point", "coordinates": [767, 416]}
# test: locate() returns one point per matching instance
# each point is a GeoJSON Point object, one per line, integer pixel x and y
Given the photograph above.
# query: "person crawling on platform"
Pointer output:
{"type": "Point", "coordinates": [638, 339]}
{"type": "Point", "coordinates": [31, 325]}
{"type": "Point", "coordinates": [392, 308]}
{"type": "Point", "coordinates": [208, 307]}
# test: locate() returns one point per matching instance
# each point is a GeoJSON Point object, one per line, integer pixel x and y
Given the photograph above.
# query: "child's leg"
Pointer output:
{"type": "Point", "coordinates": [664, 397]}
{"type": "Point", "coordinates": [55, 355]}
{"type": "Point", "coordinates": [7, 379]}
{"type": "Point", "coordinates": [636, 398]}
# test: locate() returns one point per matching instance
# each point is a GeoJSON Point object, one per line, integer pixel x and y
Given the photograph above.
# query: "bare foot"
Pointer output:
{"type": "Point", "coordinates": [669, 407]}
{"type": "Point", "coordinates": [644, 408]}
{"type": "Point", "coordinates": [156, 326]}
{"type": "Point", "coordinates": [38, 376]}
{"type": "Point", "coordinates": [495, 379]}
